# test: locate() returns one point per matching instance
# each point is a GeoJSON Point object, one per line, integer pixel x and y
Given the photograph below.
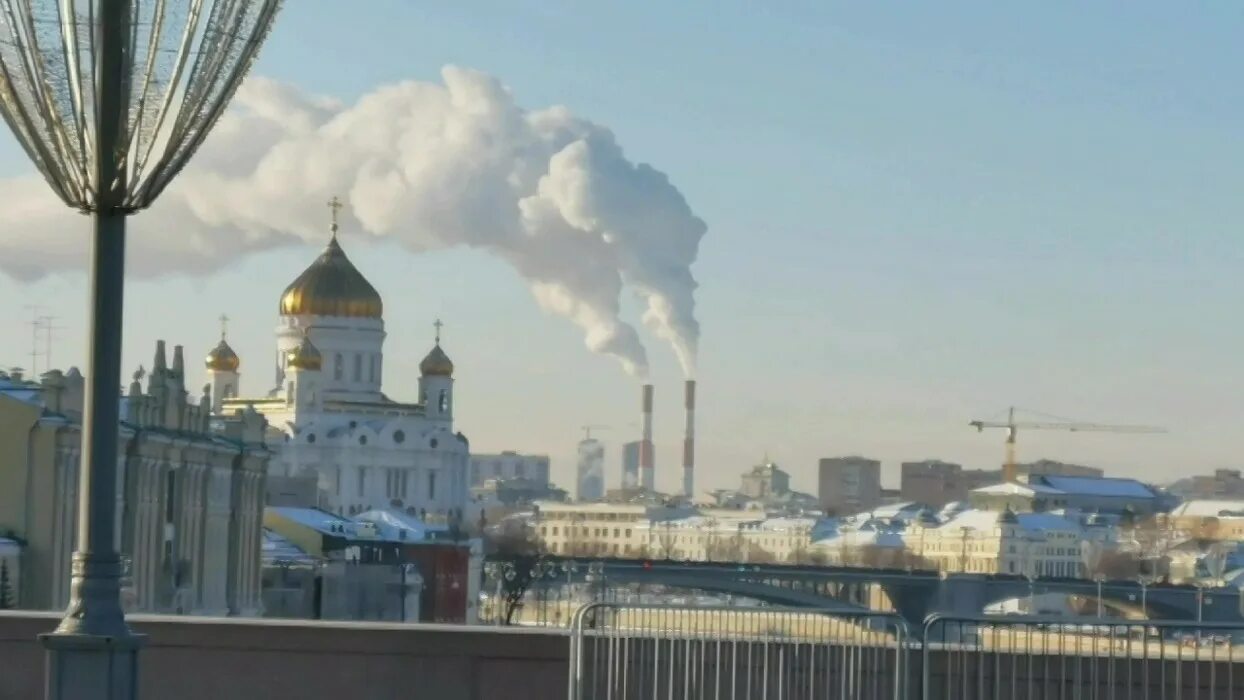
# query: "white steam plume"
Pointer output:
{"type": "Point", "coordinates": [432, 166]}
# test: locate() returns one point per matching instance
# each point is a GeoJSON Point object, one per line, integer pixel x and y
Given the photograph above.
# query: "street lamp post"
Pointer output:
{"type": "Point", "coordinates": [1099, 578]}
{"type": "Point", "coordinates": [110, 99]}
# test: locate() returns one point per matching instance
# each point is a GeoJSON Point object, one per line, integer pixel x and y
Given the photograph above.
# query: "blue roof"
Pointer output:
{"type": "Point", "coordinates": [1092, 486]}
{"type": "Point", "coordinates": [278, 550]}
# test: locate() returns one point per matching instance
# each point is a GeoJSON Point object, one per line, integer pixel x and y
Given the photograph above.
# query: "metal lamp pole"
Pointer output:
{"type": "Point", "coordinates": [110, 105]}
{"type": "Point", "coordinates": [1099, 578]}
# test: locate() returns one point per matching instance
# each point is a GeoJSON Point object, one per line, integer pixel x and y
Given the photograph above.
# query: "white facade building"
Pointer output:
{"type": "Point", "coordinates": [331, 418]}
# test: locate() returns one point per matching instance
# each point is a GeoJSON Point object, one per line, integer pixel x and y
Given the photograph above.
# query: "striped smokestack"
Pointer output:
{"type": "Point", "coordinates": [688, 441]}
{"type": "Point", "coordinates": [646, 468]}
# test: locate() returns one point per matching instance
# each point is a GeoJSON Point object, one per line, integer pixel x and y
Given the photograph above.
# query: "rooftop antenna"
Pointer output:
{"type": "Point", "coordinates": [35, 323]}
{"type": "Point", "coordinates": [49, 328]}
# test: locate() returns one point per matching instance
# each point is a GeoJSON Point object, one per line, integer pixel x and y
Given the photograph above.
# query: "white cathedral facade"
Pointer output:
{"type": "Point", "coordinates": [329, 417]}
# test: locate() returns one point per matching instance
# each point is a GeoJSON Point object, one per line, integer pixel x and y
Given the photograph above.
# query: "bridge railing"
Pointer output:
{"type": "Point", "coordinates": [649, 652]}
{"type": "Point", "coordinates": [1033, 658]}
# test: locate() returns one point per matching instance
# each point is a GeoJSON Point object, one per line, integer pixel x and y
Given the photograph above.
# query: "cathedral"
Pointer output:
{"type": "Point", "coordinates": [329, 417]}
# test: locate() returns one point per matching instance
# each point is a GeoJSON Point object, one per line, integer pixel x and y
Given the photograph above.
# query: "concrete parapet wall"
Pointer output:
{"type": "Point", "coordinates": [215, 658]}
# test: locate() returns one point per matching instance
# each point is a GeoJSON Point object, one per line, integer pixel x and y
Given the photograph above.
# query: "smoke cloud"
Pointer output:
{"type": "Point", "coordinates": [433, 166]}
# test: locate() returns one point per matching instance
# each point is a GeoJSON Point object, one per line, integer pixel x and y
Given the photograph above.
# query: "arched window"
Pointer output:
{"type": "Point", "coordinates": [339, 367]}
{"type": "Point", "coordinates": [358, 367]}
{"type": "Point", "coordinates": [444, 401]}
{"type": "Point", "coordinates": [372, 373]}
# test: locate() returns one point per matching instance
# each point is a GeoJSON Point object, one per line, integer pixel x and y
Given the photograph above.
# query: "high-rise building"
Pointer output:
{"type": "Point", "coordinates": [630, 464]}
{"type": "Point", "coordinates": [848, 484]}
{"type": "Point", "coordinates": [508, 466]}
{"type": "Point", "coordinates": [936, 483]}
{"type": "Point", "coordinates": [1048, 467]}
{"type": "Point", "coordinates": [590, 481]}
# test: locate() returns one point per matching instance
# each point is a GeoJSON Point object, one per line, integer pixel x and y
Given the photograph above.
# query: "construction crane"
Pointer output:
{"type": "Point", "coordinates": [1012, 427]}
{"type": "Point", "coordinates": [587, 430]}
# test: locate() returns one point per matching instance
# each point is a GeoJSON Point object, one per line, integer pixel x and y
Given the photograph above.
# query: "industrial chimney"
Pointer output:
{"type": "Point", "coordinates": [688, 441]}
{"type": "Point", "coordinates": [646, 469]}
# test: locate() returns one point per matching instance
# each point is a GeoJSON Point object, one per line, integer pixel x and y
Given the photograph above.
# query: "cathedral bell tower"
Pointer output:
{"type": "Point", "coordinates": [222, 369]}
{"type": "Point", "coordinates": [303, 377]}
{"type": "Point", "coordinates": [436, 382]}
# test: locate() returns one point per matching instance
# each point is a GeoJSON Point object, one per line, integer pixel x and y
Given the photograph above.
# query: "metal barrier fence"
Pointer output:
{"type": "Point", "coordinates": [623, 652]}
{"type": "Point", "coordinates": [1039, 658]}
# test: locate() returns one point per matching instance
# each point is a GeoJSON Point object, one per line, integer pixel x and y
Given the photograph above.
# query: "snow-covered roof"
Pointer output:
{"type": "Point", "coordinates": [1093, 486]}
{"type": "Point", "coordinates": [1013, 489]}
{"type": "Point", "coordinates": [985, 520]}
{"type": "Point", "coordinates": [1204, 508]}
{"type": "Point", "coordinates": [390, 524]}
{"type": "Point", "coordinates": [783, 524]}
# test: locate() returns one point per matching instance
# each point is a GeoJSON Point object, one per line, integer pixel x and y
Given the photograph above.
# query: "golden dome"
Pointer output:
{"type": "Point", "coordinates": [436, 364]}
{"type": "Point", "coordinates": [305, 356]}
{"type": "Point", "coordinates": [332, 286]}
{"type": "Point", "coordinates": [222, 358]}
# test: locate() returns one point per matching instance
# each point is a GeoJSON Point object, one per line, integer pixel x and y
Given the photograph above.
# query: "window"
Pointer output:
{"type": "Point", "coordinates": [405, 483]}
{"type": "Point", "coordinates": [431, 486]}
{"type": "Point", "coordinates": [358, 367]}
{"type": "Point", "coordinates": [170, 497]}
{"type": "Point", "coordinates": [372, 372]}
{"type": "Point", "coordinates": [555, 531]}
{"type": "Point", "coordinates": [443, 403]}
{"type": "Point", "coordinates": [362, 485]}
{"type": "Point", "coordinates": [339, 366]}
{"type": "Point", "coordinates": [337, 481]}
{"type": "Point", "coordinates": [399, 437]}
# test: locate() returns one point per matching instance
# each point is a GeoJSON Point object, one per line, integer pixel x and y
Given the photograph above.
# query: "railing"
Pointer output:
{"type": "Point", "coordinates": [641, 652]}
{"type": "Point", "coordinates": [1033, 658]}
{"type": "Point", "coordinates": [649, 652]}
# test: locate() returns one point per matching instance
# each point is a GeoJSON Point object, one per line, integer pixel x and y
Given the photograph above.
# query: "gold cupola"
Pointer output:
{"type": "Point", "coordinates": [332, 285]}
{"type": "Point", "coordinates": [222, 358]}
{"type": "Point", "coordinates": [437, 363]}
{"type": "Point", "coordinates": [306, 356]}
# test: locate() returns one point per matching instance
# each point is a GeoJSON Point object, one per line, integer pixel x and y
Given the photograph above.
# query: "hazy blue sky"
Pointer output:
{"type": "Point", "coordinates": [917, 216]}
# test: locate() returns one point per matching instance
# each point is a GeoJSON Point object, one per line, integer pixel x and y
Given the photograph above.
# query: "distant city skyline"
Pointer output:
{"type": "Point", "coordinates": [915, 218]}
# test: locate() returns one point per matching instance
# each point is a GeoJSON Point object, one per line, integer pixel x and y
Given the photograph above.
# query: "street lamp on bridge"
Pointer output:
{"type": "Point", "coordinates": [110, 99]}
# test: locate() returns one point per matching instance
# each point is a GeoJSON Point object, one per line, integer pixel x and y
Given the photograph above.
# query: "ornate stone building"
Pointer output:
{"type": "Point", "coordinates": [190, 491]}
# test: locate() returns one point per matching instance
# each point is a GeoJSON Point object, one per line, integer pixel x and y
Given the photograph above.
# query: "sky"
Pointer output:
{"type": "Point", "coordinates": [915, 217]}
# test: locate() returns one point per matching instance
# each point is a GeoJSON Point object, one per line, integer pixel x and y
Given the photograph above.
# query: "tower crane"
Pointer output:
{"type": "Point", "coordinates": [1012, 426]}
{"type": "Point", "coordinates": [587, 430]}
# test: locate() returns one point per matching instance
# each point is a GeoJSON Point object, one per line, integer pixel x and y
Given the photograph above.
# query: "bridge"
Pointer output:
{"type": "Point", "coordinates": [914, 594]}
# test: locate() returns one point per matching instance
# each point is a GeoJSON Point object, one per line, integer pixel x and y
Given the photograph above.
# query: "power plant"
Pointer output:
{"type": "Point", "coordinates": [647, 476]}
{"type": "Point", "coordinates": [688, 441]}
